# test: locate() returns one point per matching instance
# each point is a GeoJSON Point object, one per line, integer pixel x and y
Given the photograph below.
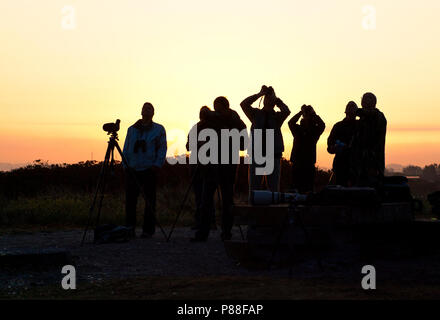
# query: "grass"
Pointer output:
{"type": "Point", "coordinates": [71, 209]}
{"type": "Point", "coordinates": [45, 196]}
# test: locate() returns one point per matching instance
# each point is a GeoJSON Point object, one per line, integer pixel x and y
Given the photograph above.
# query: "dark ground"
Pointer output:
{"type": "Point", "coordinates": [154, 269]}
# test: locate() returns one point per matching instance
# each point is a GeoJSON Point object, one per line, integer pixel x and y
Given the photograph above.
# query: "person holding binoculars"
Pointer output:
{"type": "Point", "coordinates": [266, 119]}
{"type": "Point", "coordinates": [303, 156]}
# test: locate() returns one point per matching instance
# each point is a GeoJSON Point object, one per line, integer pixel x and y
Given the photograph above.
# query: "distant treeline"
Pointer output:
{"type": "Point", "coordinates": [40, 176]}
{"type": "Point", "coordinates": [60, 194]}
{"type": "Point", "coordinates": [429, 173]}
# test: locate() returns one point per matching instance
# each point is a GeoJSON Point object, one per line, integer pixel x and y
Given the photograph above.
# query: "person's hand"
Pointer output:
{"type": "Point", "coordinates": [263, 91]}
{"type": "Point", "coordinates": [340, 146]}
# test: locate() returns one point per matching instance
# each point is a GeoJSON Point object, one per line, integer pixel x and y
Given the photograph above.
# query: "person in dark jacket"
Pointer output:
{"type": "Point", "coordinates": [368, 151]}
{"type": "Point", "coordinates": [196, 169]}
{"type": "Point", "coordinates": [339, 143]}
{"type": "Point", "coordinates": [219, 174]}
{"type": "Point", "coordinates": [303, 156]}
{"type": "Point", "coordinates": [264, 119]}
{"type": "Point", "coordinates": [145, 149]}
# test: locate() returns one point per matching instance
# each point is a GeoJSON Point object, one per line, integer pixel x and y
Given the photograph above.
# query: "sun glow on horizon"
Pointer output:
{"type": "Point", "coordinates": [59, 86]}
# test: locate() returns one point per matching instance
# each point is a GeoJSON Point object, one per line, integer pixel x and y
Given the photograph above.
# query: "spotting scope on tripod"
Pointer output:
{"type": "Point", "coordinates": [112, 129]}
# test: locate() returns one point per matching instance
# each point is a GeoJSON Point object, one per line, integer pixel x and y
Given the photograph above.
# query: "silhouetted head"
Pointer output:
{"type": "Point", "coordinates": [203, 113]}
{"type": "Point", "coordinates": [221, 105]}
{"type": "Point", "coordinates": [350, 110]}
{"type": "Point", "coordinates": [308, 113]}
{"type": "Point", "coordinates": [369, 101]}
{"type": "Point", "coordinates": [147, 111]}
{"type": "Point", "coordinates": [269, 99]}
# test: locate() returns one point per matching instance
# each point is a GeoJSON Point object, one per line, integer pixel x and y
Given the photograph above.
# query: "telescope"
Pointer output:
{"type": "Point", "coordinates": [264, 198]}
{"type": "Point", "coordinates": [111, 127]}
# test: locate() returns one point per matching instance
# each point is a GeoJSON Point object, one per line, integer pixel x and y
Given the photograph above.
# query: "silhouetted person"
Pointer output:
{"type": "Point", "coordinates": [266, 118]}
{"type": "Point", "coordinates": [145, 149]}
{"type": "Point", "coordinates": [368, 156]}
{"type": "Point", "coordinates": [197, 168]}
{"type": "Point", "coordinates": [303, 157]}
{"type": "Point", "coordinates": [222, 175]}
{"type": "Point", "coordinates": [339, 143]}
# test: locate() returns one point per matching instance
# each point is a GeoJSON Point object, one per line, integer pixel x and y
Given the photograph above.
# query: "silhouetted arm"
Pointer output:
{"type": "Point", "coordinates": [192, 133]}
{"type": "Point", "coordinates": [161, 149]}
{"type": "Point", "coordinates": [331, 141]}
{"type": "Point", "coordinates": [127, 147]}
{"type": "Point", "coordinates": [320, 126]}
{"type": "Point", "coordinates": [292, 123]}
{"type": "Point", "coordinates": [237, 122]}
{"type": "Point", "coordinates": [285, 112]}
{"type": "Point", "coordinates": [246, 105]}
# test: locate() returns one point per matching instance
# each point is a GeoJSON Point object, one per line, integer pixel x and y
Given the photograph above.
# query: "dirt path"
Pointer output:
{"type": "Point", "coordinates": [154, 258]}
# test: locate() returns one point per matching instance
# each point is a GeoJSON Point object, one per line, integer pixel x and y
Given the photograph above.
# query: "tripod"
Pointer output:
{"type": "Point", "coordinates": [182, 205]}
{"type": "Point", "coordinates": [106, 168]}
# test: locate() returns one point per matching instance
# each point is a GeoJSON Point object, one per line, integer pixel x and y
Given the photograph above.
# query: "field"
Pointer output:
{"type": "Point", "coordinates": [59, 196]}
{"type": "Point", "coordinates": [54, 196]}
{"type": "Point", "coordinates": [48, 205]}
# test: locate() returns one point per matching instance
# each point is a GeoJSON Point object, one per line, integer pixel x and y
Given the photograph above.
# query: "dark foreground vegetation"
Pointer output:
{"type": "Point", "coordinates": [43, 195]}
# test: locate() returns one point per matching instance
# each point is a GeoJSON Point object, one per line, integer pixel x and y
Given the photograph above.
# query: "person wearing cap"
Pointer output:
{"type": "Point", "coordinates": [339, 143]}
{"type": "Point", "coordinates": [145, 149]}
{"type": "Point", "coordinates": [303, 156]}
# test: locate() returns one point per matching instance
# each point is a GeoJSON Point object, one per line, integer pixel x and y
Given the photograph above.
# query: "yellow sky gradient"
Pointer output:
{"type": "Point", "coordinates": [59, 86]}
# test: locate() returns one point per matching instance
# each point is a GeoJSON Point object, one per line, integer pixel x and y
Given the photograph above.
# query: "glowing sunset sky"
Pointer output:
{"type": "Point", "coordinates": [59, 86]}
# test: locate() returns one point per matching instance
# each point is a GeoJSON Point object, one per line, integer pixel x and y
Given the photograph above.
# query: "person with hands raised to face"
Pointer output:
{"type": "Point", "coordinates": [303, 156]}
{"type": "Point", "coordinates": [266, 119]}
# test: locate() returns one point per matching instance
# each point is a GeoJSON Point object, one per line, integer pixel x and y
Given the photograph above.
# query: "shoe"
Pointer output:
{"type": "Point", "coordinates": [146, 235]}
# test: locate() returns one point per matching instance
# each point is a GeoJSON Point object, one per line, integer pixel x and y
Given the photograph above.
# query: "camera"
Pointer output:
{"type": "Point", "coordinates": [111, 127]}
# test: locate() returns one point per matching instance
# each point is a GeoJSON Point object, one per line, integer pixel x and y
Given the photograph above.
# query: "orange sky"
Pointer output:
{"type": "Point", "coordinates": [59, 86]}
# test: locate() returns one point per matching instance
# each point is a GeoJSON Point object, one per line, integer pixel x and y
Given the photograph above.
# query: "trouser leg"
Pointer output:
{"type": "Point", "coordinates": [254, 180]}
{"type": "Point", "coordinates": [227, 189]}
{"type": "Point", "coordinates": [208, 191]}
{"type": "Point", "coordinates": [149, 184]}
{"type": "Point", "coordinates": [303, 177]}
{"type": "Point", "coordinates": [131, 196]}
{"type": "Point", "coordinates": [198, 188]}
{"type": "Point", "coordinates": [342, 176]}
{"type": "Point", "coordinates": [310, 181]}
{"type": "Point", "coordinates": [273, 180]}
{"type": "Point", "coordinates": [296, 177]}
